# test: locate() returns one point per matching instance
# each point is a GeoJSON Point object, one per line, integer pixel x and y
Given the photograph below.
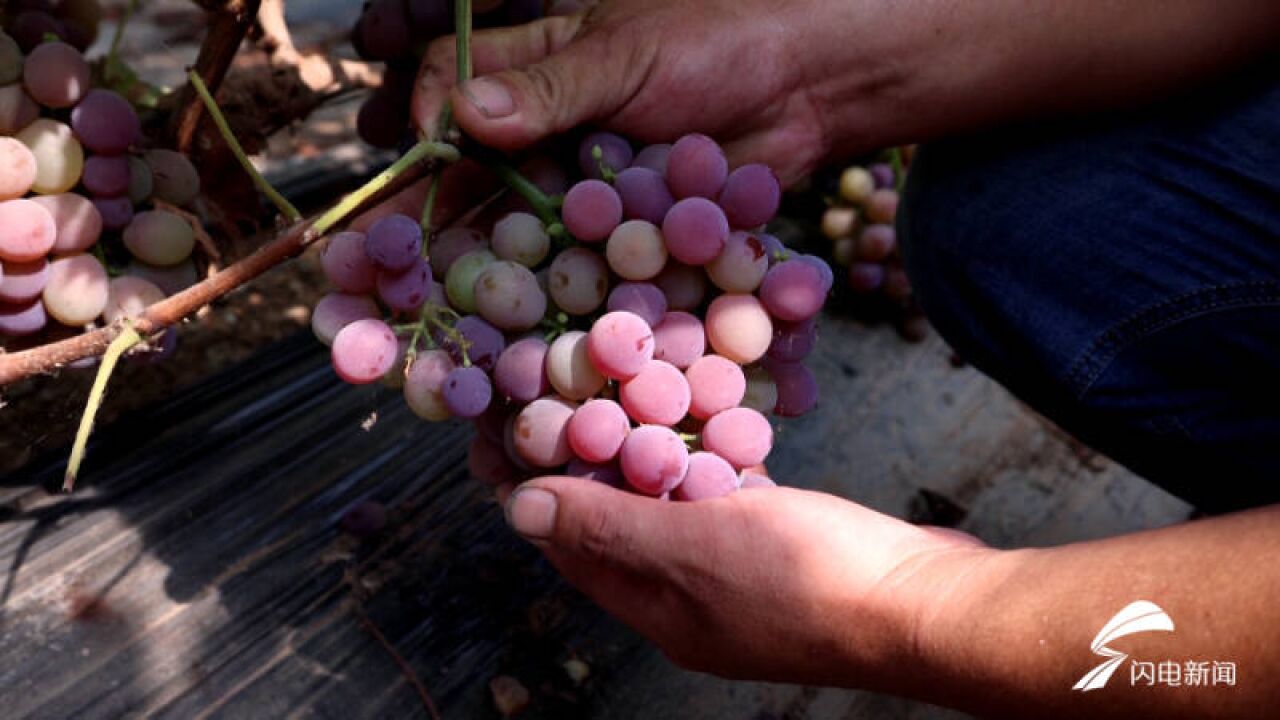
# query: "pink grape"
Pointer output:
{"type": "Point", "coordinates": [654, 459]}
{"type": "Point", "coordinates": [520, 237]}
{"type": "Point", "coordinates": [653, 157]}
{"type": "Point", "coordinates": [607, 473]}
{"type": "Point", "coordinates": [696, 167]}
{"type": "Point", "coordinates": [578, 281]}
{"type": "Point", "coordinates": [23, 282]}
{"type": "Point", "coordinates": [467, 392]}
{"type": "Point", "coordinates": [79, 222]}
{"type": "Point", "coordinates": [116, 212]}
{"type": "Point", "coordinates": [105, 122]}
{"type": "Point", "coordinates": [739, 328]}
{"type": "Point", "coordinates": [644, 194]}
{"type": "Point", "coordinates": [405, 291]}
{"type": "Point", "coordinates": [882, 206]}
{"type": "Point", "coordinates": [452, 244]}
{"type": "Point", "coordinates": [394, 242]}
{"type": "Point", "coordinates": [541, 432]}
{"type": "Point", "coordinates": [683, 285]}
{"type": "Point", "coordinates": [751, 196]}
{"type": "Point", "coordinates": [347, 265]}
{"type": "Point", "coordinates": [876, 243]}
{"type": "Point", "coordinates": [658, 394]}
{"type": "Point", "coordinates": [620, 344]}
{"type": "Point", "coordinates": [17, 320]}
{"type": "Point", "coordinates": [27, 231]}
{"type": "Point", "coordinates": [335, 311]}
{"type": "Point", "coordinates": [19, 169]}
{"type": "Point", "coordinates": [865, 277]}
{"type": "Point", "coordinates": [76, 292]}
{"type": "Point", "coordinates": [797, 389]}
{"type": "Point", "coordinates": [793, 291]}
{"type": "Point", "coordinates": [364, 351]}
{"type": "Point", "coordinates": [715, 384]}
{"type": "Point", "coordinates": [424, 385]}
{"type": "Point", "coordinates": [507, 295]}
{"type": "Point", "coordinates": [106, 175]}
{"type": "Point", "coordinates": [636, 250]}
{"type": "Point", "coordinates": [486, 343]}
{"type": "Point", "coordinates": [709, 476]}
{"type": "Point", "coordinates": [643, 299]}
{"type": "Point", "coordinates": [59, 157]}
{"type": "Point", "coordinates": [520, 371]}
{"type": "Point", "coordinates": [591, 210]}
{"type": "Point", "coordinates": [569, 367]}
{"type": "Point", "coordinates": [129, 297]}
{"type": "Point", "coordinates": [741, 266]}
{"type": "Point", "coordinates": [679, 339]}
{"type": "Point", "coordinates": [695, 230]}
{"type": "Point", "coordinates": [740, 435]}
{"type": "Point", "coordinates": [17, 109]}
{"type": "Point", "coordinates": [597, 430]}
{"type": "Point", "coordinates": [56, 75]}
{"type": "Point", "coordinates": [615, 151]}
{"type": "Point", "coordinates": [793, 342]}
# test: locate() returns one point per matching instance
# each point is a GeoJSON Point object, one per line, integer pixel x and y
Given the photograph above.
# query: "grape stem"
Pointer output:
{"type": "Point", "coordinates": [285, 207]}
{"type": "Point", "coordinates": [462, 28]}
{"type": "Point", "coordinates": [542, 204]}
{"type": "Point", "coordinates": [113, 55]}
{"type": "Point", "coordinates": [127, 338]}
{"type": "Point", "coordinates": [899, 174]}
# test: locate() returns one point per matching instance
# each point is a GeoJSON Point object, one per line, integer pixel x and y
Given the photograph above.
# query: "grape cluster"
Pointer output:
{"type": "Point", "coordinates": [640, 339]}
{"type": "Point", "coordinates": [398, 32]}
{"type": "Point", "coordinates": [859, 222]}
{"type": "Point", "coordinates": [76, 185]}
{"type": "Point", "coordinates": [30, 22]}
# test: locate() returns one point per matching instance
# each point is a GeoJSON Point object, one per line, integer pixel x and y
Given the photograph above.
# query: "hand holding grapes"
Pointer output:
{"type": "Point", "coordinates": [767, 583]}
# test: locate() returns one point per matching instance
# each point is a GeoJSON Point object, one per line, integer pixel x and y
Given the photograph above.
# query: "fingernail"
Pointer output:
{"type": "Point", "coordinates": [490, 97]}
{"type": "Point", "coordinates": [532, 513]}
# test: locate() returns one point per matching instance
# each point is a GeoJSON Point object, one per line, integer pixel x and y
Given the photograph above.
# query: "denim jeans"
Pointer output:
{"type": "Point", "coordinates": [1121, 274]}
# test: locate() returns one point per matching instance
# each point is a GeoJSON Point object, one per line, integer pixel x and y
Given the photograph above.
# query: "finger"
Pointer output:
{"type": "Point", "coordinates": [491, 51]}
{"type": "Point", "coordinates": [463, 185]}
{"type": "Point", "coordinates": [578, 521]}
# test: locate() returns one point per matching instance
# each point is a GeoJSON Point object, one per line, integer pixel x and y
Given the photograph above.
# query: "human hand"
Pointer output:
{"type": "Point", "coordinates": [768, 583]}
{"type": "Point", "coordinates": [649, 70]}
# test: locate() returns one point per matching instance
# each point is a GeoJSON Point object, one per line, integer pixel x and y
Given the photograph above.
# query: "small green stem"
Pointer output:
{"type": "Point", "coordinates": [899, 173]}
{"type": "Point", "coordinates": [127, 338]}
{"type": "Point", "coordinates": [541, 203]}
{"type": "Point", "coordinates": [416, 154]}
{"type": "Point", "coordinates": [286, 208]}
{"type": "Point", "coordinates": [428, 208]}
{"type": "Point", "coordinates": [462, 28]}
{"type": "Point", "coordinates": [113, 55]}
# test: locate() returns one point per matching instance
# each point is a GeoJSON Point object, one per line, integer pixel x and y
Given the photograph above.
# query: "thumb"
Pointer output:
{"type": "Point", "coordinates": [517, 107]}
{"type": "Point", "coordinates": [580, 520]}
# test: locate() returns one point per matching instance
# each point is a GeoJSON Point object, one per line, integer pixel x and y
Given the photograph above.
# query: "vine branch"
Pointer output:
{"type": "Point", "coordinates": [229, 22]}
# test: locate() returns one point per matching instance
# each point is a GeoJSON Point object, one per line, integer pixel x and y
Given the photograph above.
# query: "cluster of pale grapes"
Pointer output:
{"type": "Point", "coordinates": [640, 339]}
{"type": "Point", "coordinates": [859, 223]}
{"type": "Point", "coordinates": [397, 32]}
{"type": "Point", "coordinates": [79, 184]}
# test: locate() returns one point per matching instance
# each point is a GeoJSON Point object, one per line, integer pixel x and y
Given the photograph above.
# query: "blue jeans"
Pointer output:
{"type": "Point", "coordinates": [1121, 275]}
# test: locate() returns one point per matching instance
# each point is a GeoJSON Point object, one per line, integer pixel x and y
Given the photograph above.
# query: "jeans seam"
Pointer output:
{"type": "Point", "coordinates": [1102, 351]}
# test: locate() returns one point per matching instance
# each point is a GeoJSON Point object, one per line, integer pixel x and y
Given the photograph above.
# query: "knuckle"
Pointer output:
{"type": "Point", "coordinates": [545, 86]}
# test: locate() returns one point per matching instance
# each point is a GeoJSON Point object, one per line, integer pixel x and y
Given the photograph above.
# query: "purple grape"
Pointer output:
{"type": "Point", "coordinates": [394, 242]}
{"type": "Point", "coordinates": [824, 270]}
{"type": "Point", "coordinates": [105, 122]}
{"type": "Point", "coordinates": [751, 196]}
{"type": "Point", "coordinates": [467, 392]}
{"type": "Point", "coordinates": [385, 30]}
{"type": "Point", "coordinates": [644, 194]}
{"type": "Point", "coordinates": [364, 351]}
{"type": "Point", "coordinates": [792, 342]}
{"type": "Point", "coordinates": [797, 388]}
{"type": "Point", "coordinates": [865, 278]}
{"type": "Point", "coordinates": [347, 265]}
{"type": "Point", "coordinates": [382, 121]}
{"type": "Point", "coordinates": [653, 157]}
{"type": "Point", "coordinates": [793, 290]}
{"type": "Point", "coordinates": [679, 339]}
{"type": "Point", "coordinates": [486, 343]}
{"type": "Point", "coordinates": [696, 167]}
{"type": "Point", "coordinates": [430, 18]}
{"type": "Point", "coordinates": [335, 311]}
{"type": "Point", "coordinates": [30, 27]}
{"type": "Point", "coordinates": [615, 154]}
{"type": "Point", "coordinates": [520, 373]}
{"type": "Point", "coordinates": [643, 299]}
{"type": "Point", "coordinates": [876, 243]}
{"type": "Point", "coordinates": [116, 212]}
{"type": "Point", "coordinates": [773, 247]}
{"type": "Point", "coordinates": [592, 209]}
{"type": "Point", "coordinates": [24, 319]}
{"type": "Point", "coordinates": [695, 231]}
{"type": "Point", "coordinates": [106, 175]}
{"type": "Point", "coordinates": [406, 291]}
{"type": "Point", "coordinates": [883, 174]}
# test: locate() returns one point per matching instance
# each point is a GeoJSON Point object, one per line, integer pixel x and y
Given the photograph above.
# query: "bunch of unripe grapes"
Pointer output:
{"type": "Point", "coordinates": [397, 32]}
{"type": "Point", "coordinates": [639, 339]}
{"type": "Point", "coordinates": [79, 184]}
{"type": "Point", "coordinates": [859, 223]}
